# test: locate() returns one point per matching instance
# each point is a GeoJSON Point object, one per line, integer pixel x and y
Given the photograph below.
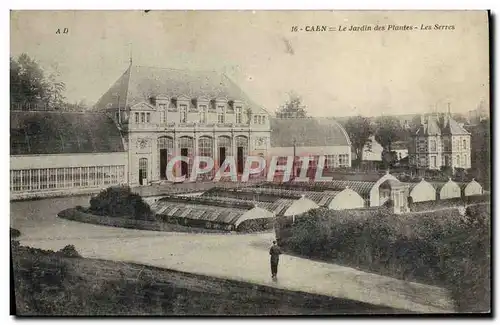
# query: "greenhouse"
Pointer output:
{"type": "Point", "coordinates": [211, 214]}
{"type": "Point", "coordinates": [422, 191]}
{"type": "Point", "coordinates": [472, 188]}
{"type": "Point", "coordinates": [448, 190]}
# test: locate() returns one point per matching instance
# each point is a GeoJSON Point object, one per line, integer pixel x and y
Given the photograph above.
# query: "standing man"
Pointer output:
{"type": "Point", "coordinates": [275, 252]}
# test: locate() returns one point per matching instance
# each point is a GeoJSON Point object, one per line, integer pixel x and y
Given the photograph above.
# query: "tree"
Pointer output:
{"type": "Point", "coordinates": [30, 85]}
{"type": "Point", "coordinates": [360, 130]}
{"type": "Point", "coordinates": [388, 130]}
{"type": "Point", "coordinates": [293, 108]}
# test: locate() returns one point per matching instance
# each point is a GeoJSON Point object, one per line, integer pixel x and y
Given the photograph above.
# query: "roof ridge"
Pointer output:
{"type": "Point", "coordinates": [175, 69]}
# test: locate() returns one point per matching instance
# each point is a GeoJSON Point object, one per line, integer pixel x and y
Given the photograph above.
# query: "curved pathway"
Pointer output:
{"type": "Point", "coordinates": [237, 257]}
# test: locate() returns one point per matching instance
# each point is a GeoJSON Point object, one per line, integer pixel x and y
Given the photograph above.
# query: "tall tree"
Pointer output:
{"type": "Point", "coordinates": [388, 130]}
{"type": "Point", "coordinates": [30, 85]}
{"type": "Point", "coordinates": [293, 108]}
{"type": "Point", "coordinates": [360, 130]}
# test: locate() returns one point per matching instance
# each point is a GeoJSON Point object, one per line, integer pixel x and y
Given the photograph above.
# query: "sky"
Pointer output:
{"type": "Point", "coordinates": [336, 73]}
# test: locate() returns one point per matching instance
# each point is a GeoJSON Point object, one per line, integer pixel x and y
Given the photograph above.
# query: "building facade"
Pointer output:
{"type": "Point", "coordinates": [440, 141]}
{"type": "Point", "coordinates": [165, 113]}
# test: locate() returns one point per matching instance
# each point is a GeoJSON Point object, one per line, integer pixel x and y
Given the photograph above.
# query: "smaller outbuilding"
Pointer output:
{"type": "Point", "coordinates": [300, 206]}
{"type": "Point", "coordinates": [448, 190]}
{"type": "Point", "coordinates": [344, 200]}
{"type": "Point", "coordinates": [422, 192]}
{"type": "Point", "coordinates": [472, 188]}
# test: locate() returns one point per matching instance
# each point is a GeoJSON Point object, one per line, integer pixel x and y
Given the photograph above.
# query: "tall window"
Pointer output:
{"type": "Point", "coordinates": [433, 145]}
{"type": "Point", "coordinates": [205, 147]}
{"type": "Point", "coordinates": [457, 160]}
{"type": "Point", "coordinates": [148, 117]}
{"type": "Point", "coordinates": [255, 119]}
{"type": "Point", "coordinates": [163, 113]}
{"type": "Point", "coordinates": [221, 115]}
{"type": "Point", "coordinates": [421, 145]}
{"type": "Point", "coordinates": [433, 161]}
{"type": "Point", "coordinates": [136, 117]}
{"type": "Point", "coordinates": [143, 117]}
{"type": "Point", "coordinates": [422, 162]}
{"type": "Point", "coordinates": [183, 109]}
{"type": "Point", "coordinates": [330, 161]}
{"type": "Point", "coordinates": [343, 160]}
{"type": "Point", "coordinates": [238, 114]}
{"type": "Point", "coordinates": [464, 161]}
{"type": "Point", "coordinates": [464, 144]}
{"type": "Point", "coordinates": [203, 114]}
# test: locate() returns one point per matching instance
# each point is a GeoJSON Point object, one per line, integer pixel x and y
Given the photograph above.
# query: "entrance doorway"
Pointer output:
{"type": "Point", "coordinates": [163, 163]}
{"type": "Point", "coordinates": [222, 155]}
{"type": "Point", "coordinates": [184, 165]}
{"type": "Point", "coordinates": [240, 160]}
{"type": "Point", "coordinates": [143, 171]}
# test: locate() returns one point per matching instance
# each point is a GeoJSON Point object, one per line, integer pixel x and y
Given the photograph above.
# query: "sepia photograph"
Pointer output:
{"type": "Point", "coordinates": [250, 163]}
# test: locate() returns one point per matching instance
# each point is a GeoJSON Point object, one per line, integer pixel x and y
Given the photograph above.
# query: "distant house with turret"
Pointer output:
{"type": "Point", "coordinates": [440, 141]}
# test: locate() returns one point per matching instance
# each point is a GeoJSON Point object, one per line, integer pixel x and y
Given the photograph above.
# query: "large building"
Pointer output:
{"type": "Point", "coordinates": [164, 113]}
{"type": "Point", "coordinates": [440, 141]}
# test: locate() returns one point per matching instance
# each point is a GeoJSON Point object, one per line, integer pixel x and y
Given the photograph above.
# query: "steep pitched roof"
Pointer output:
{"type": "Point", "coordinates": [39, 132]}
{"type": "Point", "coordinates": [431, 127]}
{"type": "Point", "coordinates": [452, 127]}
{"type": "Point", "coordinates": [139, 83]}
{"type": "Point", "coordinates": [307, 132]}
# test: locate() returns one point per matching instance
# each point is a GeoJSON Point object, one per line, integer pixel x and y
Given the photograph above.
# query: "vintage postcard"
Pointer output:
{"type": "Point", "coordinates": [245, 163]}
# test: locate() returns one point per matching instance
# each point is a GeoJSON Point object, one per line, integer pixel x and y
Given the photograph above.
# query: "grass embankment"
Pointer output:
{"type": "Point", "coordinates": [439, 248]}
{"type": "Point", "coordinates": [50, 283]}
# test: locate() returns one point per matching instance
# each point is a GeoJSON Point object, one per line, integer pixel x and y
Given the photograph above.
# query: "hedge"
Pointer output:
{"type": "Point", "coordinates": [440, 248]}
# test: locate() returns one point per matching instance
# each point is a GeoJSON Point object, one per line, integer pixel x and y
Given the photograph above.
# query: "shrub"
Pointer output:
{"type": "Point", "coordinates": [119, 201]}
{"type": "Point", "coordinates": [440, 247]}
{"type": "Point", "coordinates": [14, 233]}
{"type": "Point", "coordinates": [69, 251]}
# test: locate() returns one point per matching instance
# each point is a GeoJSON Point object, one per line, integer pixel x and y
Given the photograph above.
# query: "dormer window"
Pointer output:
{"type": "Point", "coordinates": [221, 114]}
{"type": "Point", "coordinates": [183, 109]}
{"type": "Point", "coordinates": [173, 103]}
{"type": "Point", "coordinates": [238, 114]}
{"type": "Point", "coordinates": [163, 113]}
{"type": "Point", "coordinates": [203, 114]}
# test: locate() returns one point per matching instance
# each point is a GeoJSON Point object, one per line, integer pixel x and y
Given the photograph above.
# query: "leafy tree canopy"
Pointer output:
{"type": "Point", "coordinates": [293, 108]}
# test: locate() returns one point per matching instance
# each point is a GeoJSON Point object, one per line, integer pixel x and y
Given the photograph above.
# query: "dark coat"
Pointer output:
{"type": "Point", "coordinates": [275, 252]}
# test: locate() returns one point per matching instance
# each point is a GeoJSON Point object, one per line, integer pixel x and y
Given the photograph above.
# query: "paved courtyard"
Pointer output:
{"type": "Point", "coordinates": [238, 257]}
